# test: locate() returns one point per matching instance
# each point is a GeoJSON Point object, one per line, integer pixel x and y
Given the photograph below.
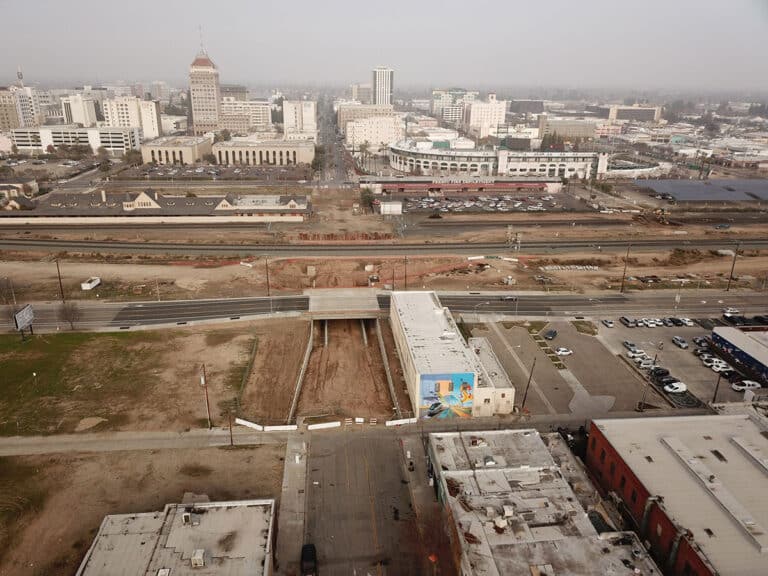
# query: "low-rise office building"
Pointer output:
{"type": "Point", "coordinates": [244, 116]}
{"type": "Point", "coordinates": [234, 538]}
{"type": "Point", "coordinates": [509, 509]}
{"type": "Point", "coordinates": [264, 152]}
{"type": "Point", "coordinates": [567, 127]}
{"type": "Point", "coordinates": [116, 141]}
{"type": "Point", "coordinates": [176, 149]}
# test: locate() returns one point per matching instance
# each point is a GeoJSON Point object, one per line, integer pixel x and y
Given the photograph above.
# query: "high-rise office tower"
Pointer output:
{"type": "Point", "coordinates": [383, 82]}
{"type": "Point", "coordinates": [205, 94]}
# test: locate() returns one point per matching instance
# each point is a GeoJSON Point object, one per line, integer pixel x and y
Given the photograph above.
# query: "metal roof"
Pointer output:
{"type": "Point", "coordinates": [754, 343]}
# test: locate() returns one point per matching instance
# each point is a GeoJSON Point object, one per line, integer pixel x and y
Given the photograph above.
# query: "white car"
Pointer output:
{"type": "Point", "coordinates": [730, 310]}
{"type": "Point", "coordinates": [636, 352]}
{"type": "Point", "coordinates": [717, 368]}
{"type": "Point", "coordinates": [675, 388]}
{"type": "Point", "coordinates": [710, 361]}
{"type": "Point", "coordinates": [608, 323]}
{"type": "Point", "coordinates": [646, 364]}
{"type": "Point", "coordinates": [563, 351]}
{"type": "Point", "coordinates": [745, 385]}
{"type": "Point", "coordinates": [641, 359]}
{"type": "Point", "coordinates": [687, 322]}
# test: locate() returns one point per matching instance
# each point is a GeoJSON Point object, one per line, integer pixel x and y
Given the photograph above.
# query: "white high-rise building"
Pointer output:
{"type": "Point", "coordinates": [132, 112]}
{"type": "Point", "coordinates": [382, 86]}
{"type": "Point", "coordinates": [244, 116]}
{"type": "Point", "coordinates": [482, 119]}
{"type": "Point", "coordinates": [300, 120]}
{"type": "Point", "coordinates": [160, 91]}
{"type": "Point", "coordinates": [205, 94]}
{"type": "Point", "coordinates": [28, 108]}
{"type": "Point", "coordinates": [78, 110]}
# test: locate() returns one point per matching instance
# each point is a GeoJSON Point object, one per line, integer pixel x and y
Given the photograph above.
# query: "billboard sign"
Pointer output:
{"type": "Point", "coordinates": [446, 395]}
{"type": "Point", "coordinates": [24, 317]}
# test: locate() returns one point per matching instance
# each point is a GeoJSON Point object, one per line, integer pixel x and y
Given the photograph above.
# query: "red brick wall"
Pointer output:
{"type": "Point", "coordinates": [612, 474]}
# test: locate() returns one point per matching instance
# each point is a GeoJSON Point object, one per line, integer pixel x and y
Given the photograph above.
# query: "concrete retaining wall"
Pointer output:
{"type": "Point", "coordinates": [300, 379]}
{"type": "Point", "coordinates": [401, 422]}
{"type": "Point", "coordinates": [391, 384]}
{"type": "Point", "coordinates": [281, 428]}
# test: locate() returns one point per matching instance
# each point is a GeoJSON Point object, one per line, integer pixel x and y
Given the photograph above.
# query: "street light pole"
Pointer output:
{"type": "Point", "coordinates": [733, 265]}
{"type": "Point", "coordinates": [624, 274]}
{"type": "Point", "coordinates": [61, 286]}
{"type": "Point", "coordinates": [204, 382]}
{"type": "Point", "coordinates": [528, 385]}
{"type": "Point", "coordinates": [717, 386]}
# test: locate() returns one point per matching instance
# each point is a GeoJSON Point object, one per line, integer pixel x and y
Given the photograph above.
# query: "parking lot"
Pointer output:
{"type": "Point", "coordinates": [500, 204]}
{"type": "Point", "coordinates": [216, 172]}
{"type": "Point", "coordinates": [683, 364]}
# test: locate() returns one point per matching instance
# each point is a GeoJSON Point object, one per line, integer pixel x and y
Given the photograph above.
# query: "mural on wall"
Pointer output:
{"type": "Point", "coordinates": [447, 395]}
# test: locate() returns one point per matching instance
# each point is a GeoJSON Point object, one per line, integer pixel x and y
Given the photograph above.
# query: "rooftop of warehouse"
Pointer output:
{"type": "Point", "coordinates": [235, 538]}
{"type": "Point", "coordinates": [515, 511]}
{"type": "Point", "coordinates": [710, 472]}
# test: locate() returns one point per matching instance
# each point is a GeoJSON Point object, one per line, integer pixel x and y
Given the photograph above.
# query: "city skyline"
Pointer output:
{"type": "Point", "coordinates": [658, 46]}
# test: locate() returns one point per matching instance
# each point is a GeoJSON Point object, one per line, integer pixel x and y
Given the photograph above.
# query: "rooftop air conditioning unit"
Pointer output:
{"type": "Point", "coordinates": [198, 558]}
{"type": "Point", "coordinates": [186, 518]}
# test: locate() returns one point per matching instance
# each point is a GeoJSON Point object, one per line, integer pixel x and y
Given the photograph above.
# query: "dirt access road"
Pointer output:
{"type": "Point", "coordinates": [51, 506]}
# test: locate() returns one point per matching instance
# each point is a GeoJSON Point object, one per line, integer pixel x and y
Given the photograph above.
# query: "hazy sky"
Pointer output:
{"type": "Point", "coordinates": [592, 43]}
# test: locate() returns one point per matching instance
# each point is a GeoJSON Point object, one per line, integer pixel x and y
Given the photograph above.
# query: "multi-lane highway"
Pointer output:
{"type": "Point", "coordinates": [120, 315]}
{"type": "Point", "coordinates": [379, 249]}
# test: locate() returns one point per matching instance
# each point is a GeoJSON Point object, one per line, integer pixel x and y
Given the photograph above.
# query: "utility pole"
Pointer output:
{"type": "Point", "coordinates": [61, 286]}
{"type": "Point", "coordinates": [266, 265]}
{"type": "Point", "coordinates": [204, 384]}
{"type": "Point", "coordinates": [717, 386]}
{"type": "Point", "coordinates": [231, 438]}
{"type": "Point", "coordinates": [624, 274]}
{"type": "Point", "coordinates": [733, 265]}
{"type": "Point", "coordinates": [528, 385]}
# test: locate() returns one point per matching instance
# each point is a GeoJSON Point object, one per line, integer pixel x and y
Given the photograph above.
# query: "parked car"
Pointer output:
{"type": "Point", "coordinates": [731, 375]}
{"type": "Point", "coordinates": [629, 345]}
{"type": "Point", "coordinates": [646, 364]}
{"type": "Point", "coordinates": [675, 388]}
{"type": "Point", "coordinates": [700, 341]}
{"type": "Point", "coordinates": [667, 322]}
{"type": "Point", "coordinates": [636, 352]}
{"type": "Point", "coordinates": [308, 560]}
{"type": "Point", "coordinates": [563, 351]}
{"type": "Point", "coordinates": [664, 380]}
{"type": "Point", "coordinates": [628, 322]}
{"type": "Point", "coordinates": [745, 385]}
{"type": "Point", "coordinates": [700, 351]}
{"type": "Point", "coordinates": [720, 367]}
{"type": "Point", "coordinates": [509, 298]}
{"type": "Point", "coordinates": [608, 323]}
{"type": "Point", "coordinates": [680, 342]}
{"type": "Point", "coordinates": [730, 310]}
{"type": "Point", "coordinates": [550, 334]}
{"type": "Point", "coordinates": [659, 372]}
{"type": "Point", "coordinates": [677, 322]}
{"type": "Point", "coordinates": [687, 322]}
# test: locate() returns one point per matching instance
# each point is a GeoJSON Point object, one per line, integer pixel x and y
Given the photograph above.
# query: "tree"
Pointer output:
{"type": "Point", "coordinates": [14, 149]}
{"type": "Point", "coordinates": [104, 166]}
{"type": "Point", "coordinates": [102, 153]}
{"type": "Point", "coordinates": [222, 136]}
{"type": "Point", "coordinates": [210, 158]}
{"type": "Point", "coordinates": [133, 158]}
{"type": "Point", "coordinates": [366, 198]}
{"type": "Point", "coordinates": [70, 313]}
{"type": "Point", "coordinates": [50, 149]}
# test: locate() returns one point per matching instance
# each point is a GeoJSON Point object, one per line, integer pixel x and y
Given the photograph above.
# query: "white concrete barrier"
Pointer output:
{"type": "Point", "coordinates": [324, 425]}
{"type": "Point", "coordinates": [248, 424]}
{"type": "Point", "coordinates": [401, 421]}
{"type": "Point", "coordinates": [281, 428]}
{"type": "Point", "coordinates": [359, 420]}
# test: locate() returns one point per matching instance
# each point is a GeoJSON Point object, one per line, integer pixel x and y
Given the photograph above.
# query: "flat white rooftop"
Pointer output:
{"type": "Point", "coordinates": [712, 472]}
{"type": "Point", "coordinates": [753, 342]}
{"type": "Point", "coordinates": [433, 338]}
{"type": "Point", "coordinates": [516, 514]}
{"type": "Point", "coordinates": [236, 539]}
{"type": "Point", "coordinates": [495, 374]}
{"type": "Point", "coordinates": [177, 141]}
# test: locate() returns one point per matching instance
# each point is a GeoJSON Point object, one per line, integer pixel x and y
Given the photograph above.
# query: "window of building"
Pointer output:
{"type": "Point", "coordinates": [658, 530]}
{"type": "Point", "coordinates": [709, 532]}
{"type": "Point", "coordinates": [622, 483]}
{"type": "Point", "coordinates": [612, 469]}
{"type": "Point", "coordinates": [602, 455]}
{"type": "Point", "coordinates": [486, 401]}
{"type": "Point", "coordinates": [633, 497]}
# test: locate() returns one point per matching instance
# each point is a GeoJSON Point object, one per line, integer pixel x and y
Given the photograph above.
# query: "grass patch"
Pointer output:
{"type": "Point", "coordinates": [585, 327]}
{"type": "Point", "coordinates": [47, 374]}
{"type": "Point", "coordinates": [533, 326]}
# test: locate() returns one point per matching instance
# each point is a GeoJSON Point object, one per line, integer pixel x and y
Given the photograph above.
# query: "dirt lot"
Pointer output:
{"type": "Point", "coordinates": [141, 278]}
{"type": "Point", "coordinates": [268, 393]}
{"type": "Point", "coordinates": [52, 506]}
{"type": "Point", "coordinates": [346, 379]}
{"type": "Point", "coordinates": [65, 382]}
{"type": "Point", "coordinates": [396, 370]}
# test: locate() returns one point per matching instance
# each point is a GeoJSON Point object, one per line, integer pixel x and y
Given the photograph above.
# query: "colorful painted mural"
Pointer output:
{"type": "Point", "coordinates": [447, 395]}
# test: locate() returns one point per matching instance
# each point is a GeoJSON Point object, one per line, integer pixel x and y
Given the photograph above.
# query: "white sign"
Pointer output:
{"type": "Point", "coordinates": [24, 317]}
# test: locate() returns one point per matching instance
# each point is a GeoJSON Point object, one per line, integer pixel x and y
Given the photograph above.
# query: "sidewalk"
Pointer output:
{"type": "Point", "coordinates": [290, 520]}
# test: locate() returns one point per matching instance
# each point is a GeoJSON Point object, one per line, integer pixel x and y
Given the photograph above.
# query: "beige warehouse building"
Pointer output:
{"type": "Point", "coordinates": [265, 152]}
{"type": "Point", "coordinates": [175, 149]}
